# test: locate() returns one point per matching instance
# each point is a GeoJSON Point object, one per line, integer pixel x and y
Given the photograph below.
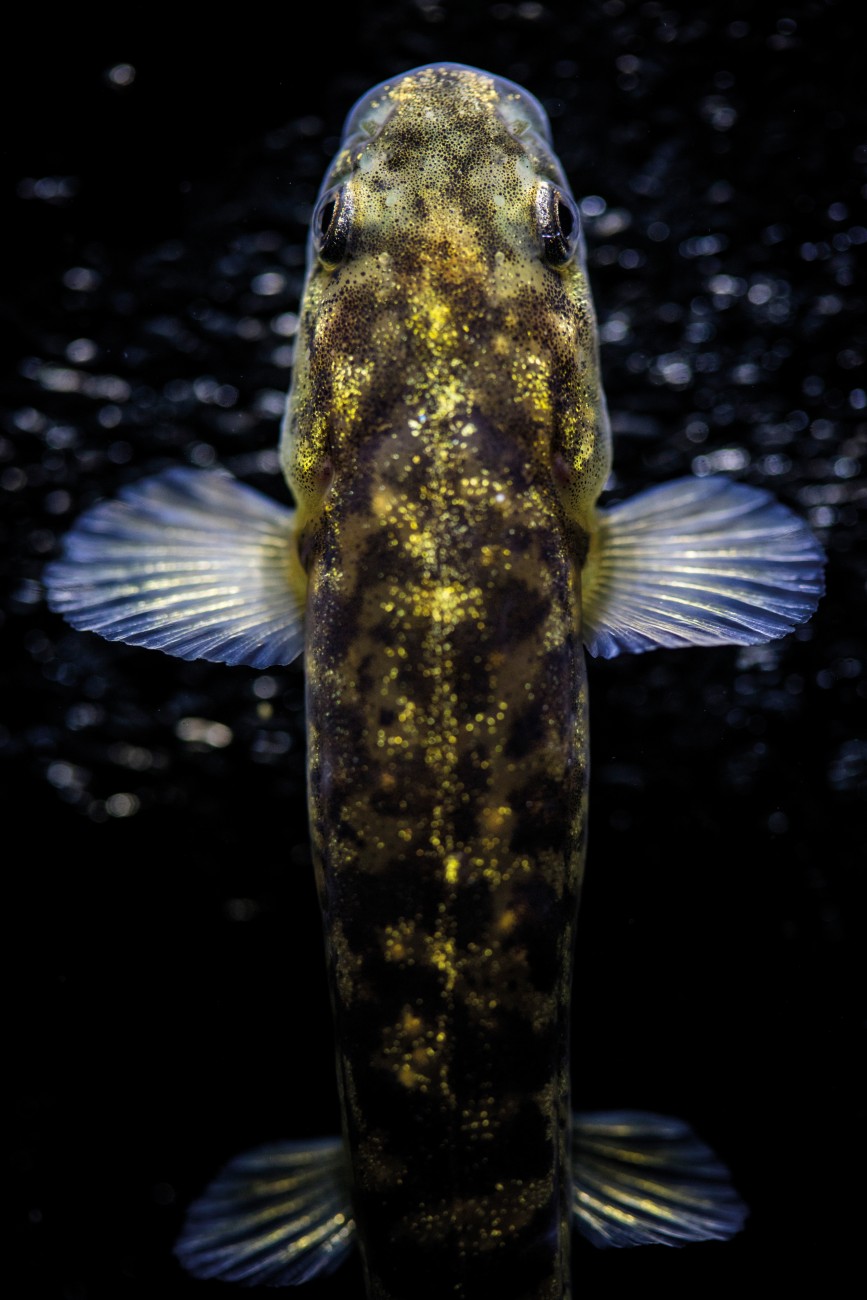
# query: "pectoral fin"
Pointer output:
{"type": "Point", "coordinates": [277, 1216]}
{"type": "Point", "coordinates": [191, 562]}
{"type": "Point", "coordinates": [697, 562]}
{"type": "Point", "coordinates": [640, 1179]}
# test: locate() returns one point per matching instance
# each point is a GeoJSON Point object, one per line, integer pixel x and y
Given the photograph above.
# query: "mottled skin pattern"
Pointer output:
{"type": "Point", "coordinates": [446, 441]}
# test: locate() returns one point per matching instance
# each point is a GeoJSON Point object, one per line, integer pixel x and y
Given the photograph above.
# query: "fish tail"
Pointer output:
{"type": "Point", "coordinates": [275, 1216]}
{"type": "Point", "coordinates": [641, 1179]}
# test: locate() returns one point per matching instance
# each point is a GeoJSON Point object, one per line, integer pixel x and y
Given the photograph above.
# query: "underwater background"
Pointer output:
{"type": "Point", "coordinates": [168, 996]}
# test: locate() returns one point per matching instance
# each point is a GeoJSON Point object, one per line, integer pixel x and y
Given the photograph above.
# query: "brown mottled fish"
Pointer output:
{"type": "Point", "coordinates": [446, 442]}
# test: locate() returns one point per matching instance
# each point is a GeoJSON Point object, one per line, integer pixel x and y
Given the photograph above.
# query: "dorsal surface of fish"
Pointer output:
{"type": "Point", "coordinates": [445, 693]}
{"type": "Point", "coordinates": [446, 441]}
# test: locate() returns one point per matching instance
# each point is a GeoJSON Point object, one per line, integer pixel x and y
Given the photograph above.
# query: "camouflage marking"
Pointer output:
{"type": "Point", "coordinates": [446, 439]}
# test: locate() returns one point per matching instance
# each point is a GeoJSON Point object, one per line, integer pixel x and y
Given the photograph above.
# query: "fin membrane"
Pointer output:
{"type": "Point", "coordinates": [698, 562]}
{"type": "Point", "coordinates": [641, 1179]}
{"type": "Point", "coordinates": [277, 1216]}
{"type": "Point", "coordinates": [191, 562]}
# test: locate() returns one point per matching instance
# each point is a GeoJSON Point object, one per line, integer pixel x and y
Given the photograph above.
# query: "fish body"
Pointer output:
{"type": "Point", "coordinates": [447, 810]}
{"type": "Point", "coordinates": [446, 442]}
{"type": "Point", "coordinates": [445, 698]}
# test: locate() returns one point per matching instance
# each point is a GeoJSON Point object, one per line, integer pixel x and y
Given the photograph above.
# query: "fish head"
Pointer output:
{"type": "Point", "coordinates": [447, 284]}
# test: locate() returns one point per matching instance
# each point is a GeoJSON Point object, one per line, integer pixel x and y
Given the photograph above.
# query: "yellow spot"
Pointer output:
{"type": "Point", "coordinates": [452, 866]}
{"type": "Point", "coordinates": [383, 502]}
{"type": "Point", "coordinates": [410, 1022]}
{"type": "Point", "coordinates": [507, 921]}
{"type": "Point", "coordinates": [441, 952]}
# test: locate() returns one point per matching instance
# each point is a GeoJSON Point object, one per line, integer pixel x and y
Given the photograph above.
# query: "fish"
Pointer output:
{"type": "Point", "coordinates": [444, 567]}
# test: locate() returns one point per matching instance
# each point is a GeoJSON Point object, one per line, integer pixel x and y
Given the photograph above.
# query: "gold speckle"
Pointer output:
{"type": "Point", "coordinates": [435, 371]}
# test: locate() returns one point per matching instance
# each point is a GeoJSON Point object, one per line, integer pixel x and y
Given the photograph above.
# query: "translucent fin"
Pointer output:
{"type": "Point", "coordinates": [698, 562]}
{"type": "Point", "coordinates": [277, 1216]}
{"type": "Point", "coordinates": [191, 562]}
{"type": "Point", "coordinates": [640, 1179]}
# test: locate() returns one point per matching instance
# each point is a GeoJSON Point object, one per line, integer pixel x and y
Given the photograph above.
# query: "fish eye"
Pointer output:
{"type": "Point", "coordinates": [332, 219]}
{"type": "Point", "coordinates": [558, 225]}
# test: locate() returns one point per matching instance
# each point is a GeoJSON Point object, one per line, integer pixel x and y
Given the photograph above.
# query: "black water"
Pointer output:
{"type": "Point", "coordinates": [167, 982]}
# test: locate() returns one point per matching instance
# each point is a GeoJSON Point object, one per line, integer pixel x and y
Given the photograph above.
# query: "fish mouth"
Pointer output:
{"type": "Point", "coordinates": [516, 106]}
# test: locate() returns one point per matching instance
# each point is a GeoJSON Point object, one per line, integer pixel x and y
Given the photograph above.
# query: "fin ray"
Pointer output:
{"type": "Point", "coordinates": [191, 562]}
{"type": "Point", "coordinates": [642, 1179]}
{"type": "Point", "coordinates": [276, 1216]}
{"type": "Point", "coordinates": [698, 562]}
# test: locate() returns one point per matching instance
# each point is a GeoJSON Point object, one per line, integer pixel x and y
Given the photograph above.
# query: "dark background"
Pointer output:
{"type": "Point", "coordinates": [167, 983]}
